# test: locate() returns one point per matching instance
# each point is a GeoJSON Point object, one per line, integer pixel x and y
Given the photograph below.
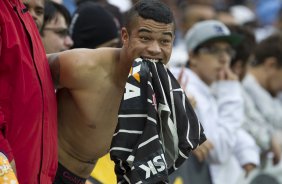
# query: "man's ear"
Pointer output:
{"type": "Point", "coordinates": [237, 67]}
{"type": "Point", "coordinates": [192, 60]}
{"type": "Point", "coordinates": [270, 63]}
{"type": "Point", "coordinates": [124, 35]}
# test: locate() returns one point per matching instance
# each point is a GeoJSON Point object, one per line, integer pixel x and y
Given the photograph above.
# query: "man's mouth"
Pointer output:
{"type": "Point", "coordinates": [151, 59]}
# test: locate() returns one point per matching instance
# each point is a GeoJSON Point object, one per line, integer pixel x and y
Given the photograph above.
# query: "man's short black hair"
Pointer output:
{"type": "Point", "coordinates": [51, 10]}
{"type": "Point", "coordinates": [149, 9]}
{"type": "Point", "coordinates": [246, 47]}
{"type": "Point", "coordinates": [269, 47]}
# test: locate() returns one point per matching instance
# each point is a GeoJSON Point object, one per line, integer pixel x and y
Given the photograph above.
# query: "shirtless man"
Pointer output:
{"type": "Point", "coordinates": [93, 84]}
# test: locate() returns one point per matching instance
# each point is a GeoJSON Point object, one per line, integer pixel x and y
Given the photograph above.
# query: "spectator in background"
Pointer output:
{"type": "Point", "coordinates": [112, 9]}
{"type": "Point", "coordinates": [55, 30]}
{"type": "Point", "coordinates": [255, 123]}
{"type": "Point", "coordinates": [219, 103]}
{"type": "Point", "coordinates": [244, 51]}
{"type": "Point", "coordinates": [262, 84]}
{"type": "Point", "coordinates": [92, 26]}
{"type": "Point", "coordinates": [194, 13]}
{"type": "Point", "coordinates": [244, 16]}
{"type": "Point", "coordinates": [36, 10]}
{"type": "Point", "coordinates": [190, 14]}
{"type": "Point", "coordinates": [226, 17]}
{"type": "Point", "coordinates": [28, 110]}
{"type": "Point", "coordinates": [239, 64]}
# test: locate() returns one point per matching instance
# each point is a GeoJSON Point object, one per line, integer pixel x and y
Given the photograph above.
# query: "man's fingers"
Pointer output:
{"type": "Point", "coordinates": [208, 145]}
{"type": "Point", "coordinates": [199, 155]}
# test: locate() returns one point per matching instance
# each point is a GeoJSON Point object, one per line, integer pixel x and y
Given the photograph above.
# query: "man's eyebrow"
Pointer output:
{"type": "Point", "coordinates": [169, 33]}
{"type": "Point", "coordinates": [39, 7]}
{"type": "Point", "coordinates": [144, 30]}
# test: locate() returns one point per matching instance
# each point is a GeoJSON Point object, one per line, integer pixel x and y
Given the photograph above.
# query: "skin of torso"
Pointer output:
{"type": "Point", "coordinates": [88, 115]}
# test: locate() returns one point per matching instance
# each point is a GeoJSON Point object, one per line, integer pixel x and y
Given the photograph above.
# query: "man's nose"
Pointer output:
{"type": "Point", "coordinates": [154, 48]}
{"type": "Point", "coordinates": [68, 41]}
{"type": "Point", "coordinates": [224, 59]}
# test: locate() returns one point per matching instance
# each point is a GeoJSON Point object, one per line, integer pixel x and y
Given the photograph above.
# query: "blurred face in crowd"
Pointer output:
{"type": "Point", "coordinates": [36, 9]}
{"type": "Point", "coordinates": [196, 13]}
{"type": "Point", "coordinates": [226, 18]}
{"type": "Point", "coordinates": [210, 59]}
{"type": "Point", "coordinates": [55, 35]}
{"type": "Point", "coordinates": [149, 39]}
{"type": "Point", "coordinates": [274, 76]}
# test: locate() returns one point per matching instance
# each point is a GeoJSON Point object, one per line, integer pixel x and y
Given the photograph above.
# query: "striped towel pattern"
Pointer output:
{"type": "Point", "coordinates": [157, 127]}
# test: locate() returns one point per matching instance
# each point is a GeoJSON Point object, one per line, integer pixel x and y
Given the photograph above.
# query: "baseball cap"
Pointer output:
{"type": "Point", "coordinates": [209, 30]}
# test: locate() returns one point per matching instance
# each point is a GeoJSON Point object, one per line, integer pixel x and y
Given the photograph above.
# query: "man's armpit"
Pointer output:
{"type": "Point", "coordinates": [53, 60]}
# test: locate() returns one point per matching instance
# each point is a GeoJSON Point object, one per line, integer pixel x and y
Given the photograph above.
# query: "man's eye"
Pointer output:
{"type": "Point", "coordinates": [144, 38]}
{"type": "Point", "coordinates": [63, 33]}
{"type": "Point", "coordinates": [165, 41]}
{"type": "Point", "coordinates": [39, 11]}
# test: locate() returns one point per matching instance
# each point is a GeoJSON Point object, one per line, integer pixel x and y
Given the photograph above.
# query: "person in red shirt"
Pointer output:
{"type": "Point", "coordinates": [28, 112]}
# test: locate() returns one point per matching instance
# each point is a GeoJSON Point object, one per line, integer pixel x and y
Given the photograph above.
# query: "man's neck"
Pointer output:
{"type": "Point", "coordinates": [123, 67]}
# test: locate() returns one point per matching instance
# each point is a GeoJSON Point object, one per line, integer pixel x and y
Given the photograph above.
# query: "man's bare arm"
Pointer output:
{"type": "Point", "coordinates": [72, 69]}
{"type": "Point", "coordinates": [54, 64]}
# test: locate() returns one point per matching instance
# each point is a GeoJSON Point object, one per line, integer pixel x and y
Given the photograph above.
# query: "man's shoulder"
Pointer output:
{"type": "Point", "coordinates": [93, 55]}
{"type": "Point", "coordinates": [89, 62]}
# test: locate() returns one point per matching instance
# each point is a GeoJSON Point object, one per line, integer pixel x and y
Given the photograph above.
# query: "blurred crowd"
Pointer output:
{"type": "Point", "coordinates": [227, 56]}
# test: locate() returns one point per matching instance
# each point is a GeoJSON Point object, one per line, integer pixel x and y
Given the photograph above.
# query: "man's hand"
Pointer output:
{"type": "Point", "coordinates": [203, 150]}
{"type": "Point", "coordinates": [192, 100]}
{"type": "Point", "coordinates": [227, 74]}
{"type": "Point", "coordinates": [248, 168]}
{"type": "Point", "coordinates": [276, 150]}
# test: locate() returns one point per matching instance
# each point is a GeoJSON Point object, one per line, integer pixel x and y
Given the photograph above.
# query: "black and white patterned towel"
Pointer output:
{"type": "Point", "coordinates": [157, 127]}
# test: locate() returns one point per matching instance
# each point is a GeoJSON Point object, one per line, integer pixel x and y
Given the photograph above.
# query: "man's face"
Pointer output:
{"type": "Point", "coordinates": [210, 60]}
{"type": "Point", "coordinates": [196, 13]}
{"type": "Point", "coordinates": [274, 81]}
{"type": "Point", "coordinates": [149, 40]}
{"type": "Point", "coordinates": [36, 9]}
{"type": "Point", "coordinates": [55, 35]}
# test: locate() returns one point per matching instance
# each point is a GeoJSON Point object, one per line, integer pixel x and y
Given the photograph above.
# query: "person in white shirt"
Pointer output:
{"type": "Point", "coordinates": [263, 84]}
{"type": "Point", "coordinates": [219, 102]}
